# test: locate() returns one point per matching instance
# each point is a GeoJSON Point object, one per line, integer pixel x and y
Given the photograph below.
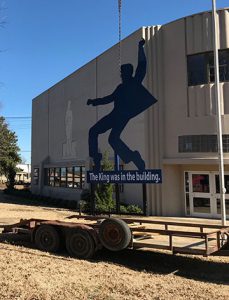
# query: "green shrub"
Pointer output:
{"type": "Point", "coordinates": [130, 209]}
{"type": "Point", "coordinates": [123, 209]}
{"type": "Point", "coordinates": [84, 206]}
{"type": "Point", "coordinates": [134, 209]}
{"type": "Point", "coordinates": [104, 191]}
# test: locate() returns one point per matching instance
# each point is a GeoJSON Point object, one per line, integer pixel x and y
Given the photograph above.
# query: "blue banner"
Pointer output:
{"type": "Point", "coordinates": [146, 176]}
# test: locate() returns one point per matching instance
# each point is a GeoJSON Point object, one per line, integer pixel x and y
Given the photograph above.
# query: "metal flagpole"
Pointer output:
{"type": "Point", "coordinates": [117, 159]}
{"type": "Point", "coordinates": [218, 116]}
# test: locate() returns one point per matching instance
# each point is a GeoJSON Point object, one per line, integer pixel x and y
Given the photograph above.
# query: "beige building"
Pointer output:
{"type": "Point", "coordinates": [23, 174]}
{"type": "Point", "coordinates": [177, 134]}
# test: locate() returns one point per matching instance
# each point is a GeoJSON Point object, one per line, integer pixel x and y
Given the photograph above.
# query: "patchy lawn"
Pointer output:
{"type": "Point", "coordinates": [29, 274]}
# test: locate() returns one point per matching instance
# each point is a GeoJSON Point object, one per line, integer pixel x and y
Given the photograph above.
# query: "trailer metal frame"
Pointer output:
{"type": "Point", "coordinates": [177, 237]}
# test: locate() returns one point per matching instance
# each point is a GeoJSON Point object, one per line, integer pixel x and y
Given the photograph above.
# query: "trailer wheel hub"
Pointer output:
{"type": "Point", "coordinates": [114, 234]}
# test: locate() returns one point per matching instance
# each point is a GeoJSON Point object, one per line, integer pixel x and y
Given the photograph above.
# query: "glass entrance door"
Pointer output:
{"type": "Point", "coordinates": [217, 202]}
{"type": "Point", "coordinates": [204, 194]}
{"type": "Point", "coordinates": [200, 194]}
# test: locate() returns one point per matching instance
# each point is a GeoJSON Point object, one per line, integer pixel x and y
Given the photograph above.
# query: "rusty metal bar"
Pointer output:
{"type": "Point", "coordinates": [171, 242]}
{"type": "Point", "coordinates": [131, 220]}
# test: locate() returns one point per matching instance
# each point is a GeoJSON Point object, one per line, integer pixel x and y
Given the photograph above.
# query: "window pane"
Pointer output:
{"type": "Point", "coordinates": [57, 177]}
{"type": "Point", "coordinates": [36, 176]}
{"type": "Point", "coordinates": [219, 206]}
{"type": "Point", "coordinates": [224, 65]}
{"type": "Point", "coordinates": [201, 205]}
{"type": "Point", "coordinates": [51, 170]}
{"type": "Point", "coordinates": [226, 183]}
{"type": "Point", "coordinates": [197, 69]}
{"type": "Point", "coordinates": [187, 204]}
{"type": "Point", "coordinates": [186, 182]}
{"type": "Point", "coordinates": [51, 176]}
{"type": "Point", "coordinates": [211, 68]}
{"type": "Point", "coordinates": [77, 181]}
{"type": "Point", "coordinates": [36, 172]}
{"type": "Point", "coordinates": [69, 177]}
{"type": "Point", "coordinates": [83, 172]}
{"type": "Point", "coordinates": [63, 177]}
{"type": "Point", "coordinates": [200, 183]}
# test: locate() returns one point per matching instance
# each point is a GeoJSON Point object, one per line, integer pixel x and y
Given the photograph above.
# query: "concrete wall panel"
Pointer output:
{"type": "Point", "coordinates": [199, 31]}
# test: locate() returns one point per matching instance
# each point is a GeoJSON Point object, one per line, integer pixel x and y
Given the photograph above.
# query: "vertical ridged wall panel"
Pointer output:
{"type": "Point", "coordinates": [153, 126]}
{"type": "Point", "coordinates": [199, 31]}
{"type": "Point", "coordinates": [207, 36]}
{"type": "Point", "coordinates": [224, 29]}
{"type": "Point", "coordinates": [202, 99]}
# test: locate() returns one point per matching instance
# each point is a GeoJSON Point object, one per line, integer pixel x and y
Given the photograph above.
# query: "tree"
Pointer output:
{"type": "Point", "coordinates": [104, 191]}
{"type": "Point", "coordinates": [9, 153]}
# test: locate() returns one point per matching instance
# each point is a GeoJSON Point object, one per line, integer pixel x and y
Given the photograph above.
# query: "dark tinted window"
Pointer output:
{"type": "Point", "coordinates": [197, 69]}
{"type": "Point", "coordinates": [35, 176]}
{"type": "Point", "coordinates": [202, 143]}
{"type": "Point", "coordinates": [201, 67]}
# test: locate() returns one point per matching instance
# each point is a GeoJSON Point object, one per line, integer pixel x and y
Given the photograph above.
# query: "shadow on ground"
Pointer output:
{"type": "Point", "coordinates": [191, 267]}
{"type": "Point", "coordinates": [10, 199]}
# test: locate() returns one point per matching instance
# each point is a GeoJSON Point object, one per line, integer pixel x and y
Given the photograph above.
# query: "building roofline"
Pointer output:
{"type": "Point", "coordinates": [81, 67]}
{"type": "Point", "coordinates": [195, 14]}
{"type": "Point", "coordinates": [141, 28]}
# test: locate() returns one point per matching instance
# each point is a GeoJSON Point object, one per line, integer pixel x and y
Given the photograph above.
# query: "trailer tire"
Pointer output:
{"type": "Point", "coordinates": [114, 234]}
{"type": "Point", "coordinates": [47, 238]}
{"type": "Point", "coordinates": [80, 244]}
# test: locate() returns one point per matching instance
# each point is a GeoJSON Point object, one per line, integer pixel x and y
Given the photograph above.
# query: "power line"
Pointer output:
{"type": "Point", "coordinates": [18, 117]}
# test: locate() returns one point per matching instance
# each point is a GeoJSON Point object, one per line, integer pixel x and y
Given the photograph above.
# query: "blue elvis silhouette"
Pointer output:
{"type": "Point", "coordinates": [130, 99]}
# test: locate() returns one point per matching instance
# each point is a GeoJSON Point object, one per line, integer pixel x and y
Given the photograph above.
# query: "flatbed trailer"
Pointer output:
{"type": "Point", "coordinates": [84, 237]}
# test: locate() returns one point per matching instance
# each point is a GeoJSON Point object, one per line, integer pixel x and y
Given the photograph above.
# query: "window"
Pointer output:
{"type": "Point", "coordinates": [226, 183]}
{"type": "Point", "coordinates": [79, 177]}
{"type": "Point", "coordinates": [186, 187]}
{"type": "Point", "coordinates": [63, 178]}
{"type": "Point", "coordinates": [70, 177]}
{"type": "Point", "coordinates": [51, 176]}
{"type": "Point", "coordinates": [197, 69]}
{"type": "Point", "coordinates": [201, 143]}
{"type": "Point", "coordinates": [57, 177]}
{"type": "Point", "coordinates": [76, 178]}
{"type": "Point", "coordinates": [201, 67]}
{"type": "Point", "coordinates": [36, 176]}
{"type": "Point", "coordinates": [200, 183]}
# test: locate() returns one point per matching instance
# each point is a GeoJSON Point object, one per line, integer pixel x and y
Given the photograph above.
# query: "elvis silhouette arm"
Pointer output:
{"type": "Point", "coordinates": [102, 101]}
{"type": "Point", "coordinates": [141, 68]}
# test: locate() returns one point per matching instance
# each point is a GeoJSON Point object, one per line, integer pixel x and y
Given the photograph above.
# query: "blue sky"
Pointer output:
{"type": "Point", "coordinates": [45, 40]}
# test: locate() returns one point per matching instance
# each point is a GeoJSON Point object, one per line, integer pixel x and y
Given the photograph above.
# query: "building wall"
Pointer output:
{"type": "Point", "coordinates": [186, 110]}
{"type": "Point", "coordinates": [96, 79]}
{"type": "Point", "coordinates": [181, 110]}
{"type": "Point", "coordinates": [190, 110]}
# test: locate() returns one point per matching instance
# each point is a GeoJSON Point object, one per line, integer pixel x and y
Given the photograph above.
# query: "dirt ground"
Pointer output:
{"type": "Point", "coordinates": [29, 274]}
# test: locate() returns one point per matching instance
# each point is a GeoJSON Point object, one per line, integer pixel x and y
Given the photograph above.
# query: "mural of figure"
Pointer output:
{"type": "Point", "coordinates": [68, 128]}
{"type": "Point", "coordinates": [130, 99]}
